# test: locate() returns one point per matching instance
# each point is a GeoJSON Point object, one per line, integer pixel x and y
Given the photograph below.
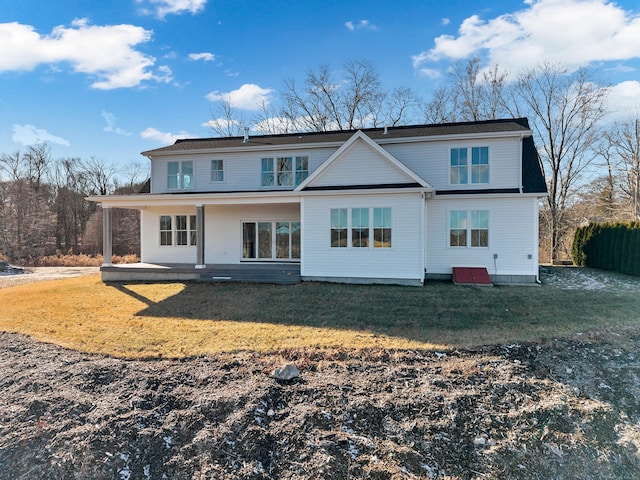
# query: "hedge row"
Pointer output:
{"type": "Point", "coordinates": [608, 246]}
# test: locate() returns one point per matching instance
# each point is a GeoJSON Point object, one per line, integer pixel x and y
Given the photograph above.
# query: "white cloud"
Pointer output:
{"type": "Point", "coordinates": [165, 138]}
{"type": "Point", "coordinates": [362, 24]}
{"type": "Point", "coordinates": [222, 124]}
{"type": "Point", "coordinates": [430, 73]}
{"type": "Point", "coordinates": [30, 135]}
{"type": "Point", "coordinates": [248, 97]}
{"type": "Point", "coordinates": [104, 52]}
{"type": "Point", "coordinates": [445, 21]}
{"type": "Point", "coordinates": [624, 100]}
{"type": "Point", "coordinates": [573, 32]}
{"type": "Point", "coordinates": [162, 8]}
{"type": "Point", "coordinates": [111, 127]}
{"type": "Point", "coordinates": [206, 56]}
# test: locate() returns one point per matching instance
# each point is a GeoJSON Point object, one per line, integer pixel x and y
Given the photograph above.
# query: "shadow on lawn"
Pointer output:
{"type": "Point", "coordinates": [439, 312]}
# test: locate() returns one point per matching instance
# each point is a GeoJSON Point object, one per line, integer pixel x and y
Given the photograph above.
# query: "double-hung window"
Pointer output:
{"type": "Point", "coordinates": [469, 228]}
{"type": "Point", "coordinates": [359, 227]}
{"type": "Point", "coordinates": [284, 171]}
{"type": "Point", "coordinates": [339, 228]}
{"type": "Point", "coordinates": [469, 165]}
{"type": "Point", "coordinates": [180, 175]}
{"type": "Point", "coordinates": [217, 171]}
{"type": "Point", "coordinates": [179, 230]}
{"type": "Point", "coordinates": [351, 228]}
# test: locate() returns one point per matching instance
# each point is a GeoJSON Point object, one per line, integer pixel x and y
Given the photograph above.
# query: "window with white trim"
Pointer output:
{"type": "Point", "coordinates": [469, 167]}
{"type": "Point", "coordinates": [180, 175]}
{"type": "Point", "coordinates": [352, 227]}
{"type": "Point", "coordinates": [269, 240]}
{"type": "Point", "coordinates": [284, 171]}
{"type": "Point", "coordinates": [179, 230]}
{"type": "Point", "coordinates": [339, 228]}
{"type": "Point", "coordinates": [217, 171]}
{"type": "Point", "coordinates": [469, 228]}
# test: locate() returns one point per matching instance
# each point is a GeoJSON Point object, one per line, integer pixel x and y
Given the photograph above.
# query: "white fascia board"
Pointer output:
{"type": "Point", "coordinates": [380, 141]}
{"type": "Point", "coordinates": [365, 191]}
{"type": "Point", "coordinates": [262, 148]}
{"type": "Point", "coordinates": [478, 196]}
{"type": "Point", "coordinates": [236, 198]}
{"type": "Point", "coordinates": [455, 136]}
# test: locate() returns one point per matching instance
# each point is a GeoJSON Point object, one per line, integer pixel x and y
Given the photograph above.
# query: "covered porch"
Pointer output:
{"type": "Point", "coordinates": [243, 237]}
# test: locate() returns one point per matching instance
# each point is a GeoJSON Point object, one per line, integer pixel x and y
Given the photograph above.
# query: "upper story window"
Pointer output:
{"type": "Point", "coordinates": [463, 171]}
{"type": "Point", "coordinates": [284, 171]}
{"type": "Point", "coordinates": [180, 175]}
{"type": "Point", "coordinates": [217, 171]}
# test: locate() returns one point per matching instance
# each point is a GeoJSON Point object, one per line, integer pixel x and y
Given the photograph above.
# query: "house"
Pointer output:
{"type": "Point", "coordinates": [376, 205]}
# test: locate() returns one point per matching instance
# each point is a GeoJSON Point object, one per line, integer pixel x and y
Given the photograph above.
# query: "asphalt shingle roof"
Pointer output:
{"type": "Point", "coordinates": [461, 128]}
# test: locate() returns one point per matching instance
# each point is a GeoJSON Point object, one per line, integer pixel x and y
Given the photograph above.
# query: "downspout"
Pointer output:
{"type": "Point", "coordinates": [520, 162]}
{"type": "Point", "coordinates": [423, 235]}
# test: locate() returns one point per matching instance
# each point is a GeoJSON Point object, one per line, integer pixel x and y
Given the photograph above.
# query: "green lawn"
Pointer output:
{"type": "Point", "coordinates": [184, 319]}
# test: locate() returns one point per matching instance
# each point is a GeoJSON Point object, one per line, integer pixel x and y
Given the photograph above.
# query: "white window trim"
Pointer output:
{"type": "Point", "coordinates": [468, 245]}
{"type": "Point", "coordinates": [469, 164]}
{"type": "Point", "coordinates": [274, 257]}
{"type": "Point", "coordinates": [274, 171]}
{"type": "Point", "coordinates": [174, 230]}
{"type": "Point", "coordinates": [181, 175]}
{"type": "Point", "coordinates": [370, 228]}
{"type": "Point", "coordinates": [224, 173]}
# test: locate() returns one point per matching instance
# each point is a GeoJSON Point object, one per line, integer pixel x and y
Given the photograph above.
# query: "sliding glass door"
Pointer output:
{"type": "Point", "coordinates": [271, 240]}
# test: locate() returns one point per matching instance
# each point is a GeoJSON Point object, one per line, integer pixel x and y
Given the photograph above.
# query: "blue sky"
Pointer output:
{"type": "Point", "coordinates": [111, 79]}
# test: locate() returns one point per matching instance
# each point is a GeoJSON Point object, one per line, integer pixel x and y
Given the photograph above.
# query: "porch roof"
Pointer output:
{"type": "Point", "coordinates": [140, 201]}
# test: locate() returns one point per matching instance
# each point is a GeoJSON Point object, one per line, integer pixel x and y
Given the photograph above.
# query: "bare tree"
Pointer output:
{"type": "Point", "coordinates": [100, 175]}
{"type": "Point", "coordinates": [564, 110]}
{"type": "Point", "coordinates": [624, 141]}
{"type": "Point", "coordinates": [324, 103]}
{"type": "Point", "coordinates": [12, 165]}
{"type": "Point", "coordinates": [37, 160]}
{"type": "Point", "coordinates": [442, 108]}
{"type": "Point", "coordinates": [226, 121]}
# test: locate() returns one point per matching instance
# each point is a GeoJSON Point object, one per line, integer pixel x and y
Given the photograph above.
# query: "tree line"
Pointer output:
{"type": "Point", "coordinates": [43, 206]}
{"type": "Point", "coordinates": [591, 164]}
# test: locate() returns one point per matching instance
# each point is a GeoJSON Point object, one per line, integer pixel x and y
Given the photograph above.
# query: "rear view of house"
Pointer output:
{"type": "Point", "coordinates": [381, 205]}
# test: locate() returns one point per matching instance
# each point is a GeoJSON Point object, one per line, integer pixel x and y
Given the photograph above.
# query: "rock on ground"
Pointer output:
{"type": "Point", "coordinates": [564, 410]}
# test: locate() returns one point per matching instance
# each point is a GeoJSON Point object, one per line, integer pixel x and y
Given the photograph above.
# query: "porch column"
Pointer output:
{"type": "Point", "coordinates": [200, 237]}
{"type": "Point", "coordinates": [106, 237]}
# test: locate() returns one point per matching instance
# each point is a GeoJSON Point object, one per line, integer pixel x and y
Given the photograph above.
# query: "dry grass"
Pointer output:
{"type": "Point", "coordinates": [85, 314]}
{"type": "Point", "coordinates": [81, 260]}
{"type": "Point", "coordinates": [186, 319]}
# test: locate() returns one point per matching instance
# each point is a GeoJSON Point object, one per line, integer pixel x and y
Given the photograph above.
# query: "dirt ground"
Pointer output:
{"type": "Point", "coordinates": [566, 409]}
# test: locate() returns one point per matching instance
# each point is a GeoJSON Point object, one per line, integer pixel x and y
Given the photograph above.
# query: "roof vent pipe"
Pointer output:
{"type": "Point", "coordinates": [246, 135]}
{"type": "Point", "coordinates": [385, 130]}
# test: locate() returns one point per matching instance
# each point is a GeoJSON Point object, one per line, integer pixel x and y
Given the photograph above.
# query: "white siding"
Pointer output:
{"type": "Point", "coordinates": [512, 236]}
{"type": "Point", "coordinates": [360, 165]}
{"type": "Point", "coordinates": [242, 170]}
{"type": "Point", "coordinates": [223, 227]}
{"type": "Point", "coordinates": [401, 261]}
{"type": "Point", "coordinates": [430, 160]}
{"type": "Point", "coordinates": [223, 231]}
{"type": "Point", "coordinates": [150, 249]}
